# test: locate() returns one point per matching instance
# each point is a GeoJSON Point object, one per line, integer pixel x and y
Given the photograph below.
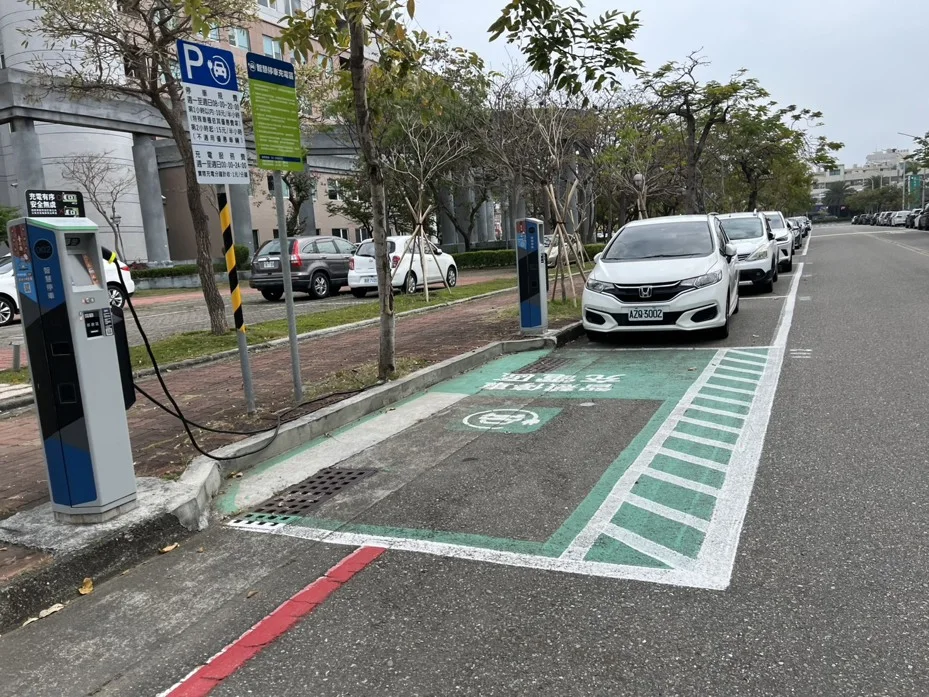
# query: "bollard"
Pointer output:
{"type": "Point", "coordinates": [16, 348]}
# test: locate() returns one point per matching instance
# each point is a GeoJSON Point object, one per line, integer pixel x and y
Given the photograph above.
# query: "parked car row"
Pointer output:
{"type": "Point", "coordinates": [321, 266]}
{"type": "Point", "coordinates": [9, 295]}
{"type": "Point", "coordinates": [917, 218]}
{"type": "Point", "coordinates": [683, 272]}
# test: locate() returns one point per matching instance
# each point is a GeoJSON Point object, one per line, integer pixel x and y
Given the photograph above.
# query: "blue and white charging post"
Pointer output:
{"type": "Point", "coordinates": [530, 269]}
{"type": "Point", "coordinates": [78, 358]}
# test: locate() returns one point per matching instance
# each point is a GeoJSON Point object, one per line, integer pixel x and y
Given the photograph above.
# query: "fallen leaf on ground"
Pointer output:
{"type": "Point", "coordinates": [87, 587]}
{"type": "Point", "coordinates": [251, 594]}
{"type": "Point", "coordinates": [125, 572]}
{"type": "Point", "coordinates": [30, 621]}
{"type": "Point", "coordinates": [201, 550]}
{"type": "Point", "coordinates": [51, 610]}
{"type": "Point", "coordinates": [169, 548]}
{"type": "Point", "coordinates": [235, 475]}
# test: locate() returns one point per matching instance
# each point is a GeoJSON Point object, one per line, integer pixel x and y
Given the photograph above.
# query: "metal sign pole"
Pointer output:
{"type": "Point", "coordinates": [288, 285]}
{"type": "Point", "coordinates": [225, 220]}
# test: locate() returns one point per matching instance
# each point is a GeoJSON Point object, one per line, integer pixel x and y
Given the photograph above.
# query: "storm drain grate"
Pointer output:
{"type": "Point", "coordinates": [311, 492]}
{"type": "Point", "coordinates": [549, 364]}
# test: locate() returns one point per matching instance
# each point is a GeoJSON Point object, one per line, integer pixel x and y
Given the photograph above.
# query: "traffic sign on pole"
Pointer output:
{"type": "Point", "coordinates": [273, 95]}
{"type": "Point", "coordinates": [214, 116]}
{"type": "Point", "coordinates": [272, 90]}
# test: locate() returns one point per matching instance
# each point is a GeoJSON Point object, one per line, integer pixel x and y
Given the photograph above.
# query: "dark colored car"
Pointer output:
{"type": "Point", "coordinates": [922, 221]}
{"type": "Point", "coordinates": [318, 265]}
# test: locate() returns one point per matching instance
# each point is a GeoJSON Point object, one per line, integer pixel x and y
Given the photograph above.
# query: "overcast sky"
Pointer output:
{"type": "Point", "coordinates": [858, 61]}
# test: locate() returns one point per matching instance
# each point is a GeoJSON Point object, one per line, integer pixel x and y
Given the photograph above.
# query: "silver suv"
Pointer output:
{"type": "Point", "coordinates": [318, 265]}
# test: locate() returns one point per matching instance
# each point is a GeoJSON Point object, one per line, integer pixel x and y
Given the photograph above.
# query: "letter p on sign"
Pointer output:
{"type": "Point", "coordinates": [193, 58]}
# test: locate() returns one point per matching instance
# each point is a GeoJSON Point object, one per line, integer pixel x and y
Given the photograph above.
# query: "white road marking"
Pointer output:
{"type": "Point", "coordinates": [709, 424]}
{"type": "Point", "coordinates": [761, 297]}
{"type": "Point", "coordinates": [724, 400]}
{"type": "Point", "coordinates": [692, 459]}
{"type": "Point", "coordinates": [727, 377]}
{"type": "Point", "coordinates": [682, 482]}
{"type": "Point", "coordinates": [702, 441]}
{"type": "Point", "coordinates": [718, 412]}
{"type": "Point", "coordinates": [668, 512]}
{"type": "Point", "coordinates": [750, 354]}
{"type": "Point", "coordinates": [915, 250]}
{"type": "Point", "coordinates": [652, 549]}
{"type": "Point", "coordinates": [806, 247]}
{"type": "Point", "coordinates": [725, 388]}
{"type": "Point", "coordinates": [744, 362]}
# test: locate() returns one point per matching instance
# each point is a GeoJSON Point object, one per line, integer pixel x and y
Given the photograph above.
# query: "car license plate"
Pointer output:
{"type": "Point", "coordinates": [268, 265]}
{"type": "Point", "coordinates": [646, 314]}
{"type": "Point", "coordinates": [369, 279]}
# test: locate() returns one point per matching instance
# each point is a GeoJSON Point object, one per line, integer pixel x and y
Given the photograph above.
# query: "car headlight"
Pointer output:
{"type": "Point", "coordinates": [706, 279]}
{"type": "Point", "coordinates": [759, 253]}
{"type": "Point", "coordinates": [598, 286]}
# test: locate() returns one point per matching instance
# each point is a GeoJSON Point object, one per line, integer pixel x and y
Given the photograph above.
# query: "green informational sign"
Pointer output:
{"type": "Point", "coordinates": [916, 182]}
{"type": "Point", "coordinates": [275, 118]}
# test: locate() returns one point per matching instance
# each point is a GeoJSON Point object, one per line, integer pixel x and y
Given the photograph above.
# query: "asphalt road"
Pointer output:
{"type": "Point", "coordinates": [826, 497]}
{"type": "Point", "coordinates": [185, 312]}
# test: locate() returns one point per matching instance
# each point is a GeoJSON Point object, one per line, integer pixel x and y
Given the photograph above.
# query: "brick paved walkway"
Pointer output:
{"type": "Point", "coordinates": [212, 393]}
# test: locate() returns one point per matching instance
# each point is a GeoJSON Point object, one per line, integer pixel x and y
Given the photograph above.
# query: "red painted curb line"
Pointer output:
{"type": "Point", "coordinates": [204, 679]}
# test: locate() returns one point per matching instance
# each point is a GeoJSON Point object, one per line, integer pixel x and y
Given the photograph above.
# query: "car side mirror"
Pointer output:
{"type": "Point", "coordinates": [729, 250]}
{"type": "Point", "coordinates": [770, 235]}
{"type": "Point", "coordinates": [438, 251]}
{"type": "Point", "coordinates": [597, 256]}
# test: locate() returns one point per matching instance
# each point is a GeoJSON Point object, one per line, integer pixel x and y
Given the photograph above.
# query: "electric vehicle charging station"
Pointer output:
{"type": "Point", "coordinates": [532, 273]}
{"type": "Point", "coordinates": [78, 358]}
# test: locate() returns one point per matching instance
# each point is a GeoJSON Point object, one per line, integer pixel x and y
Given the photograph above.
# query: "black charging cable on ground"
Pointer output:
{"type": "Point", "coordinates": [178, 414]}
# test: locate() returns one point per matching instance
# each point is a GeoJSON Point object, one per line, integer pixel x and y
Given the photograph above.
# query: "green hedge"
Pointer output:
{"type": "Point", "coordinates": [185, 270]}
{"type": "Point", "coordinates": [593, 249]}
{"type": "Point", "coordinates": [485, 259]}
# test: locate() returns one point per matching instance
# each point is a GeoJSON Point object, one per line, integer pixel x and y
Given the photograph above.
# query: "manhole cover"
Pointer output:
{"type": "Point", "coordinates": [549, 364]}
{"type": "Point", "coordinates": [311, 492]}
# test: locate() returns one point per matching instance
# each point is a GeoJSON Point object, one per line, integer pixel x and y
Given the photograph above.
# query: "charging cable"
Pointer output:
{"type": "Point", "coordinates": [177, 413]}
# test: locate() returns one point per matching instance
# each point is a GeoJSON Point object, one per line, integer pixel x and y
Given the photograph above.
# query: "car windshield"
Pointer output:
{"type": "Point", "coordinates": [367, 249]}
{"type": "Point", "coordinates": [775, 221]}
{"type": "Point", "coordinates": [6, 265]}
{"type": "Point", "coordinates": [273, 247]}
{"type": "Point", "coordinates": [661, 240]}
{"type": "Point", "coordinates": [743, 228]}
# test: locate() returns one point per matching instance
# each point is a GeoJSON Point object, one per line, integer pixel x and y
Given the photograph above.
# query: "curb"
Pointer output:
{"type": "Point", "coordinates": [119, 547]}
{"type": "Point", "coordinates": [9, 405]}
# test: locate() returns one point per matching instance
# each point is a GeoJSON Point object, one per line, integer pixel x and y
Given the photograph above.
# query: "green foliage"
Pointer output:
{"type": "Point", "coordinates": [242, 255]}
{"type": "Point", "coordinates": [165, 272]}
{"type": "Point", "coordinates": [883, 198]}
{"type": "Point", "coordinates": [593, 249]}
{"type": "Point", "coordinates": [837, 195]}
{"type": "Point", "coordinates": [559, 43]}
{"type": "Point", "coordinates": [7, 213]}
{"type": "Point", "coordinates": [486, 259]}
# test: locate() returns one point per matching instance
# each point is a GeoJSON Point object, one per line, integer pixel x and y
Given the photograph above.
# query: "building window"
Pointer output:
{"type": "Point", "coordinates": [2, 61]}
{"type": "Point", "coordinates": [340, 232]}
{"type": "Point", "coordinates": [335, 190]}
{"type": "Point", "coordinates": [318, 231]}
{"type": "Point", "coordinates": [274, 232]}
{"type": "Point", "coordinates": [239, 38]}
{"type": "Point", "coordinates": [271, 4]}
{"type": "Point", "coordinates": [255, 240]}
{"type": "Point", "coordinates": [284, 187]}
{"type": "Point", "coordinates": [272, 47]}
{"type": "Point", "coordinates": [212, 33]}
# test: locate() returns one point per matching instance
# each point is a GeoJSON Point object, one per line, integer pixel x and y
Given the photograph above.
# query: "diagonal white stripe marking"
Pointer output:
{"type": "Point", "coordinates": [759, 373]}
{"type": "Point", "coordinates": [726, 388]}
{"type": "Point", "coordinates": [730, 377]}
{"type": "Point", "coordinates": [703, 441]}
{"type": "Point", "coordinates": [744, 362]}
{"type": "Point", "coordinates": [649, 548]}
{"type": "Point", "coordinates": [723, 400]}
{"type": "Point", "coordinates": [757, 356]}
{"type": "Point", "coordinates": [667, 512]}
{"type": "Point", "coordinates": [718, 412]}
{"type": "Point", "coordinates": [682, 482]}
{"type": "Point", "coordinates": [709, 424]}
{"type": "Point", "coordinates": [693, 459]}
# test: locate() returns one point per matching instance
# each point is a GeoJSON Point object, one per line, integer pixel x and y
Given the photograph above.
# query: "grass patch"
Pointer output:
{"type": "Point", "coordinates": [558, 311]}
{"type": "Point", "coordinates": [14, 377]}
{"type": "Point", "coordinates": [158, 292]}
{"type": "Point", "coordinates": [203, 343]}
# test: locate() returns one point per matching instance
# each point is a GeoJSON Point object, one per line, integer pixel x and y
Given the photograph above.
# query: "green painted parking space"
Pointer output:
{"type": "Point", "coordinates": [613, 463]}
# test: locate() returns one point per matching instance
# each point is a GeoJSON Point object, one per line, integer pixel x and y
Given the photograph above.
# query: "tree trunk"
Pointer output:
{"type": "Point", "coordinates": [214, 301]}
{"type": "Point", "coordinates": [753, 198]}
{"type": "Point", "coordinates": [691, 202]}
{"type": "Point", "coordinates": [386, 363]}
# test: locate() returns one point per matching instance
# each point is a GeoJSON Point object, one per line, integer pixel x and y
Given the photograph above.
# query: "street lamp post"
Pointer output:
{"type": "Point", "coordinates": [639, 180]}
{"type": "Point", "coordinates": [117, 219]}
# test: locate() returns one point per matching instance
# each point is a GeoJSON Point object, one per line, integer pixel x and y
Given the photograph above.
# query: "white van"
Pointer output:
{"type": "Point", "coordinates": [405, 263]}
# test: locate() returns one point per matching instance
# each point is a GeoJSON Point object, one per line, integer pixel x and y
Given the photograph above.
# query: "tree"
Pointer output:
{"type": "Point", "coordinates": [355, 204]}
{"type": "Point", "coordinates": [836, 196]}
{"type": "Point", "coordinates": [699, 108]}
{"type": "Point", "coordinates": [882, 198]}
{"type": "Point", "coordinates": [106, 184]}
{"type": "Point", "coordinates": [126, 50]}
{"type": "Point", "coordinates": [7, 213]}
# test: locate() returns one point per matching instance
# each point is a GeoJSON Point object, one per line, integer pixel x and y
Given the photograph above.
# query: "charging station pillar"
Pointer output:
{"type": "Point", "coordinates": [77, 371]}
{"type": "Point", "coordinates": [531, 271]}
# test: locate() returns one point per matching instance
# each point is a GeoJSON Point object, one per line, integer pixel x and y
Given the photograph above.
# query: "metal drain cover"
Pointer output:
{"type": "Point", "coordinates": [311, 492]}
{"type": "Point", "coordinates": [545, 365]}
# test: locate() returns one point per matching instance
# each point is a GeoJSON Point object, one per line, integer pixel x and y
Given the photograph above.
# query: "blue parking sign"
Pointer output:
{"type": "Point", "coordinates": [206, 66]}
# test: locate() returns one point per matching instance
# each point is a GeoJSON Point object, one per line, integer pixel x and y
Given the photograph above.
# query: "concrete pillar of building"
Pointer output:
{"type": "Point", "coordinates": [150, 199]}
{"type": "Point", "coordinates": [241, 205]}
{"type": "Point", "coordinates": [446, 226]}
{"type": "Point", "coordinates": [489, 226]}
{"type": "Point", "coordinates": [308, 217]}
{"type": "Point", "coordinates": [27, 153]}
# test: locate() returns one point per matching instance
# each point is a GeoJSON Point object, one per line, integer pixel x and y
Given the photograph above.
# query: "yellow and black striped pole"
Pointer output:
{"type": "Point", "coordinates": [225, 221]}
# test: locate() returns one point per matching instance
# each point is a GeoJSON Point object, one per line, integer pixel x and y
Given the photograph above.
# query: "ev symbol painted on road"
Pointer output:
{"type": "Point", "coordinates": [496, 419]}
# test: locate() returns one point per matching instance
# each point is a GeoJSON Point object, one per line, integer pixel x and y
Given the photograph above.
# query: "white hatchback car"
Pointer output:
{"type": "Point", "coordinates": [756, 247]}
{"type": "Point", "coordinates": [660, 274]}
{"type": "Point", "coordinates": [9, 305]}
{"type": "Point", "coordinates": [784, 237]}
{"type": "Point", "coordinates": [406, 266]}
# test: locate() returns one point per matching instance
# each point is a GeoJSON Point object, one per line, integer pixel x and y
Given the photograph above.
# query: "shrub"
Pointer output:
{"type": "Point", "coordinates": [486, 259]}
{"type": "Point", "coordinates": [593, 249]}
{"type": "Point", "coordinates": [242, 255]}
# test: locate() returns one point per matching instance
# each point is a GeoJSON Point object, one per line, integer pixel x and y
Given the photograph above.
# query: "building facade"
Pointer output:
{"type": "Point", "coordinates": [884, 165]}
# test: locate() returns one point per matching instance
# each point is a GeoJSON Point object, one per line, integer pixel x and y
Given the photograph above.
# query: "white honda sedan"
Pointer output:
{"type": "Point", "coordinates": [660, 274]}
